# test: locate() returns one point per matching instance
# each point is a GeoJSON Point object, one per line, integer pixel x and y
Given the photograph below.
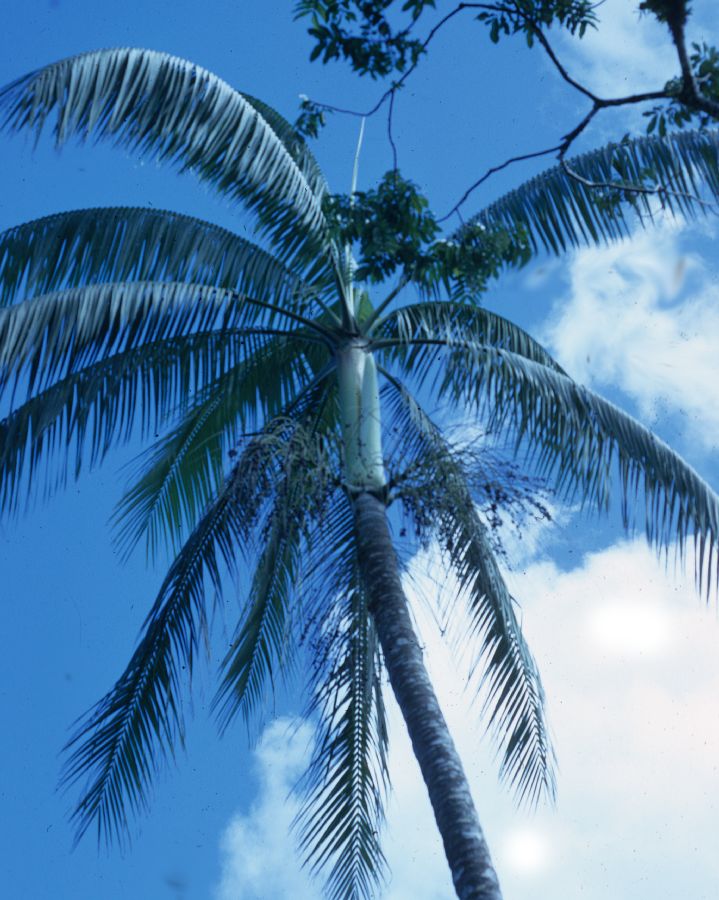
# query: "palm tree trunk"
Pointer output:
{"type": "Point", "coordinates": [464, 844]}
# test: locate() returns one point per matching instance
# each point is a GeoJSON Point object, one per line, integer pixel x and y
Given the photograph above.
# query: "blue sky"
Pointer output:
{"type": "Point", "coordinates": [628, 653]}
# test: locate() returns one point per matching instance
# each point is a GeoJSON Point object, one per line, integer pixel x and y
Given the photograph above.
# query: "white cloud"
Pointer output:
{"type": "Point", "coordinates": [630, 665]}
{"type": "Point", "coordinates": [526, 850]}
{"type": "Point", "coordinates": [626, 54]}
{"type": "Point", "coordinates": [631, 669]}
{"type": "Point", "coordinates": [629, 629]}
{"type": "Point", "coordinates": [258, 856]}
{"type": "Point", "coordinates": [643, 315]}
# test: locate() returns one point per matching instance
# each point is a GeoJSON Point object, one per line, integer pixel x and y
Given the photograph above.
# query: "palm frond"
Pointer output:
{"type": "Point", "coordinates": [448, 322]}
{"type": "Point", "coordinates": [51, 336]}
{"type": "Point", "coordinates": [345, 785]}
{"type": "Point", "coordinates": [115, 244]}
{"type": "Point", "coordinates": [576, 436]}
{"type": "Point", "coordinates": [558, 212]}
{"type": "Point", "coordinates": [173, 110]}
{"type": "Point", "coordinates": [301, 474]}
{"type": "Point", "coordinates": [119, 745]}
{"type": "Point", "coordinates": [262, 644]}
{"type": "Point", "coordinates": [296, 145]}
{"type": "Point", "coordinates": [78, 418]}
{"type": "Point", "coordinates": [185, 468]}
{"type": "Point", "coordinates": [439, 495]}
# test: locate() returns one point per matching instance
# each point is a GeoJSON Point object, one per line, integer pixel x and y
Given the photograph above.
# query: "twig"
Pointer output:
{"type": "Point", "coordinates": [390, 92]}
{"type": "Point", "coordinates": [659, 191]}
{"type": "Point", "coordinates": [389, 135]}
{"type": "Point", "coordinates": [544, 41]}
{"type": "Point", "coordinates": [690, 95]}
{"type": "Point", "coordinates": [492, 171]}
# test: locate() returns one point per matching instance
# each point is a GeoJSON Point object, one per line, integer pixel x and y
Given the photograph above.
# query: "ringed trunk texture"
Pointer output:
{"type": "Point", "coordinates": [464, 844]}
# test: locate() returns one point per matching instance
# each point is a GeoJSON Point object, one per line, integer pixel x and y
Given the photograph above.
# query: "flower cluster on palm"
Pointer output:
{"type": "Point", "coordinates": [288, 404]}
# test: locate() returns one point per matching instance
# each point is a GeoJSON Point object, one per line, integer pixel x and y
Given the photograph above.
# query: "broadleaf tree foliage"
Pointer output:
{"type": "Point", "coordinates": [287, 383]}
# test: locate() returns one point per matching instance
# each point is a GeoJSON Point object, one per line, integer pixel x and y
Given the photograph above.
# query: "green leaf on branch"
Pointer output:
{"type": "Point", "coordinates": [393, 230]}
{"type": "Point", "coordinates": [376, 36]}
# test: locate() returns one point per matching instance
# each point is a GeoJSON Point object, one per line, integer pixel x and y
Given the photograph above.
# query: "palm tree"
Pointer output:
{"type": "Point", "coordinates": [287, 403]}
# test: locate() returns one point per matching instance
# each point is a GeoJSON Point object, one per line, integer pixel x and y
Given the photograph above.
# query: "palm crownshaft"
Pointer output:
{"type": "Point", "coordinates": [360, 416]}
{"type": "Point", "coordinates": [277, 386]}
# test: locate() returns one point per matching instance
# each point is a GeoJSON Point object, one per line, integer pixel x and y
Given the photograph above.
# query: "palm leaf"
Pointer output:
{"type": "Point", "coordinates": [51, 336]}
{"type": "Point", "coordinates": [173, 110]}
{"type": "Point", "coordinates": [299, 469]}
{"type": "Point", "coordinates": [448, 322]}
{"type": "Point", "coordinates": [184, 469]}
{"type": "Point", "coordinates": [576, 436]}
{"type": "Point", "coordinates": [85, 413]}
{"type": "Point", "coordinates": [262, 646]}
{"type": "Point", "coordinates": [513, 695]}
{"type": "Point", "coordinates": [294, 142]}
{"type": "Point", "coordinates": [558, 212]}
{"type": "Point", "coordinates": [514, 701]}
{"type": "Point", "coordinates": [345, 785]}
{"type": "Point", "coordinates": [117, 244]}
{"type": "Point", "coordinates": [119, 745]}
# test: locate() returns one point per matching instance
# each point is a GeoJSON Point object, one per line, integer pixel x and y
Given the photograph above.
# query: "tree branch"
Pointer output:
{"type": "Point", "coordinates": [473, 187]}
{"type": "Point", "coordinates": [672, 12]}
{"type": "Point", "coordinates": [690, 94]}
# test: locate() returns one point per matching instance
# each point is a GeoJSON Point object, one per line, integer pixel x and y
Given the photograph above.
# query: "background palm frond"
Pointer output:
{"type": "Point", "coordinates": [558, 212]}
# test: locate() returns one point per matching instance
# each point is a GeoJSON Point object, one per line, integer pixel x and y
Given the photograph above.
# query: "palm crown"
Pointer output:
{"type": "Point", "coordinates": [290, 416]}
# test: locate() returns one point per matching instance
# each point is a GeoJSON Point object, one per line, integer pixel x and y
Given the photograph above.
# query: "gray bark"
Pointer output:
{"type": "Point", "coordinates": [464, 844]}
